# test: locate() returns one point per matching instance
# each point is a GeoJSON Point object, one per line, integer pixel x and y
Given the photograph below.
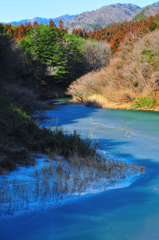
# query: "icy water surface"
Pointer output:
{"type": "Point", "coordinates": [121, 214]}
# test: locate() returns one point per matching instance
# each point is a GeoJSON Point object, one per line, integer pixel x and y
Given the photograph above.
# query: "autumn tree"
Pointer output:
{"type": "Point", "coordinates": [15, 35]}
{"type": "Point", "coordinates": [35, 24]}
{"type": "Point", "coordinates": [22, 31]}
{"type": "Point", "coordinates": [151, 24]}
{"type": "Point", "coordinates": [92, 34]}
{"type": "Point", "coordinates": [60, 25]}
{"type": "Point", "coordinates": [79, 33]}
{"type": "Point", "coordinates": [52, 24]}
{"type": "Point", "coordinates": [28, 27]}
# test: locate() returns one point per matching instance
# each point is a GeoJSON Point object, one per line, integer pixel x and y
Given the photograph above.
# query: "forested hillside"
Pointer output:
{"type": "Point", "coordinates": [131, 80]}
{"type": "Point", "coordinates": [54, 58]}
{"type": "Point", "coordinates": [147, 12]}
{"type": "Point", "coordinates": [118, 31]}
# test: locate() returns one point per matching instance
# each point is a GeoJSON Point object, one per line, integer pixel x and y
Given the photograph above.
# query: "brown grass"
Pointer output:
{"type": "Point", "coordinates": [53, 181]}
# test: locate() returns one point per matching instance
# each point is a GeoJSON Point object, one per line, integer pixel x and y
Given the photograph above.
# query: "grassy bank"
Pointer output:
{"type": "Point", "coordinates": [21, 136]}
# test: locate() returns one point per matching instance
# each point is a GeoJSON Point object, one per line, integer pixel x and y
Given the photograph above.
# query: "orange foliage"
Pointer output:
{"type": "Point", "coordinates": [21, 32]}
{"type": "Point", "coordinates": [15, 36]}
{"type": "Point", "coordinates": [28, 27]}
{"type": "Point", "coordinates": [35, 24]}
{"type": "Point", "coordinates": [116, 34]}
{"type": "Point", "coordinates": [80, 32]}
{"type": "Point", "coordinates": [52, 24]}
{"type": "Point", "coordinates": [60, 25]}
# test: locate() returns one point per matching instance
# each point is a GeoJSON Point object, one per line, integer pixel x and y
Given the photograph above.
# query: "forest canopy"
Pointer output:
{"type": "Point", "coordinates": [51, 56]}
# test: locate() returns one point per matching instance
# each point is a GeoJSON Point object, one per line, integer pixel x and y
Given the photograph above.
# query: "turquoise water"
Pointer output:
{"type": "Point", "coordinates": [122, 214]}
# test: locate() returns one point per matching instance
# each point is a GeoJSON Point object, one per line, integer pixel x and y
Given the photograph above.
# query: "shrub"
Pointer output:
{"type": "Point", "coordinates": [145, 102]}
{"type": "Point", "coordinates": [96, 55]}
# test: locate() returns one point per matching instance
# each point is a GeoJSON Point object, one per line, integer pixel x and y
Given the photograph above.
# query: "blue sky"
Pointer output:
{"type": "Point", "coordinates": [15, 10]}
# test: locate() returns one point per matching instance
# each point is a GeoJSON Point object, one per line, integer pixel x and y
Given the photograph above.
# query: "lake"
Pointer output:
{"type": "Point", "coordinates": [120, 214]}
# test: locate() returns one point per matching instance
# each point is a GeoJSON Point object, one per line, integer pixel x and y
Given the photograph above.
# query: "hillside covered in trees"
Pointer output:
{"type": "Point", "coordinates": [115, 33]}
{"type": "Point", "coordinates": [55, 58]}
{"type": "Point", "coordinates": [131, 80]}
{"type": "Point", "coordinates": [147, 12]}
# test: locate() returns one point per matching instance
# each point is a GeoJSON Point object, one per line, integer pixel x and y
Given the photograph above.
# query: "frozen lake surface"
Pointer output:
{"type": "Point", "coordinates": [126, 213]}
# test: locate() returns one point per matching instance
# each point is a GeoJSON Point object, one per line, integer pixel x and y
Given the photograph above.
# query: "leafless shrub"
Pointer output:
{"type": "Point", "coordinates": [89, 84]}
{"type": "Point", "coordinates": [96, 55]}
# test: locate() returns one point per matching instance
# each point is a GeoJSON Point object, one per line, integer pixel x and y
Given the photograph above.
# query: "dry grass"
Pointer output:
{"type": "Point", "coordinates": [99, 101]}
{"type": "Point", "coordinates": [52, 181]}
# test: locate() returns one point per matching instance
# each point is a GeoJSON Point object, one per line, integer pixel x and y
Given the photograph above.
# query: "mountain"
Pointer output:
{"type": "Point", "coordinates": [147, 12]}
{"type": "Point", "coordinates": [66, 18]}
{"type": "Point", "coordinates": [103, 16]}
{"type": "Point", "coordinates": [100, 17]}
{"type": "Point", "coordinates": [155, 4]}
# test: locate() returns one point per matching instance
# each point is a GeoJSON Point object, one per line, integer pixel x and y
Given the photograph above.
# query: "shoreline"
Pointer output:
{"type": "Point", "coordinates": [109, 105]}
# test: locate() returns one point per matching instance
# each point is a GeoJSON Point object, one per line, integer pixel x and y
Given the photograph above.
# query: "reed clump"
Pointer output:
{"type": "Point", "coordinates": [52, 181]}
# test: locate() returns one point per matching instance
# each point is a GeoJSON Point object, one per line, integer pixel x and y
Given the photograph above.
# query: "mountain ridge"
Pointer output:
{"type": "Point", "coordinates": [147, 12]}
{"type": "Point", "coordinates": [92, 20]}
{"type": "Point", "coordinates": [103, 16]}
{"type": "Point", "coordinates": [156, 4]}
{"type": "Point", "coordinates": [66, 18]}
